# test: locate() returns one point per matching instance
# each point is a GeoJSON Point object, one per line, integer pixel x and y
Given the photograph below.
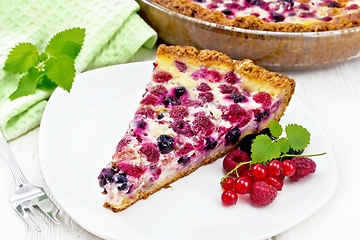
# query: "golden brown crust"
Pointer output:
{"type": "Point", "coordinates": [252, 76]}
{"type": "Point", "coordinates": [194, 10]}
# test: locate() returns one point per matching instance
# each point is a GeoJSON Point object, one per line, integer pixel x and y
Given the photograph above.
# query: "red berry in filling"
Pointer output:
{"type": "Point", "coordinates": [231, 78]}
{"type": "Point", "coordinates": [203, 87]}
{"type": "Point", "coordinates": [159, 90]}
{"type": "Point", "coordinates": [273, 168]}
{"type": "Point", "coordinates": [151, 153]}
{"type": "Point", "coordinates": [258, 171]}
{"type": "Point", "coordinates": [162, 77]}
{"type": "Point", "coordinates": [304, 166]}
{"type": "Point", "coordinates": [227, 183]}
{"type": "Point", "coordinates": [236, 114]}
{"type": "Point", "coordinates": [181, 127]}
{"type": "Point", "coordinates": [229, 197]}
{"type": "Point", "coordinates": [213, 76]}
{"type": "Point", "coordinates": [262, 194]}
{"type": "Point", "coordinates": [180, 65]}
{"type": "Point", "coordinates": [199, 74]}
{"type": "Point", "coordinates": [123, 142]}
{"type": "Point", "coordinates": [275, 182]}
{"type": "Point", "coordinates": [228, 89]}
{"type": "Point", "coordinates": [131, 170]}
{"type": "Point", "coordinates": [288, 168]}
{"type": "Point", "coordinates": [202, 124]}
{"type": "Point", "coordinates": [150, 99]}
{"type": "Point", "coordinates": [145, 112]}
{"type": "Point", "coordinates": [185, 149]}
{"type": "Point", "coordinates": [263, 98]}
{"type": "Point", "coordinates": [179, 112]}
{"type": "Point", "coordinates": [242, 185]}
{"type": "Point", "coordinates": [206, 97]}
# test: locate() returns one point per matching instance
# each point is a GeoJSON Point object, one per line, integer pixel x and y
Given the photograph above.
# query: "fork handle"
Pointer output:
{"type": "Point", "coordinates": [20, 180]}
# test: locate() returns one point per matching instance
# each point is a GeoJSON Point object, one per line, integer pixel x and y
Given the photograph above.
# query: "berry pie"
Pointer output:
{"type": "Point", "coordinates": [272, 15]}
{"type": "Point", "coordinates": [197, 106]}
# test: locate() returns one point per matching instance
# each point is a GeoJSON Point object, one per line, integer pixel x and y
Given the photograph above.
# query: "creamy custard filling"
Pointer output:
{"type": "Point", "coordinates": [291, 11]}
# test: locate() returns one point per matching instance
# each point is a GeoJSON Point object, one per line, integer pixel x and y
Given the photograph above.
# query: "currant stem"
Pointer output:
{"type": "Point", "coordinates": [306, 155]}
{"type": "Point", "coordinates": [230, 172]}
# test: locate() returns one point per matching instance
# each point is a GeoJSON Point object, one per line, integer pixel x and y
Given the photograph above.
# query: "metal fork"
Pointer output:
{"type": "Point", "coordinates": [28, 197]}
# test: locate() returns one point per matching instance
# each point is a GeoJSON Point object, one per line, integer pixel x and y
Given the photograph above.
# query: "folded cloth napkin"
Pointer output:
{"type": "Point", "coordinates": [114, 32]}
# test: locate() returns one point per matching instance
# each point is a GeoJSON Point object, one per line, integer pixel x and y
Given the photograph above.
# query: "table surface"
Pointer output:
{"type": "Point", "coordinates": [331, 94]}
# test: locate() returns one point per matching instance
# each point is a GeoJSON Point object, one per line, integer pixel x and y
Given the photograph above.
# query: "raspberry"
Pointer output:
{"type": "Point", "coordinates": [159, 90]}
{"type": "Point", "coordinates": [145, 112]}
{"type": "Point", "coordinates": [206, 97]}
{"type": "Point", "coordinates": [231, 78]}
{"type": "Point", "coordinates": [150, 99]}
{"type": "Point", "coordinates": [236, 114]}
{"type": "Point", "coordinates": [180, 65]}
{"type": "Point", "coordinates": [123, 142]}
{"type": "Point", "coordinates": [304, 166]}
{"type": "Point", "coordinates": [162, 77]}
{"type": "Point", "coordinates": [262, 194]}
{"type": "Point", "coordinates": [233, 158]}
{"type": "Point", "coordinates": [191, 103]}
{"type": "Point", "coordinates": [228, 89]}
{"type": "Point", "coordinates": [263, 98]}
{"type": "Point", "coordinates": [213, 76]}
{"type": "Point", "coordinates": [185, 149]}
{"type": "Point", "coordinates": [203, 87]}
{"type": "Point", "coordinates": [202, 124]}
{"type": "Point", "coordinates": [128, 169]}
{"type": "Point", "coordinates": [199, 74]}
{"type": "Point", "coordinates": [151, 153]}
{"type": "Point", "coordinates": [181, 127]}
{"type": "Point", "coordinates": [179, 112]}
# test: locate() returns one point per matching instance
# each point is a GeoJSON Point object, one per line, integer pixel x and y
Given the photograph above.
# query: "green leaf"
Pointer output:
{"type": "Point", "coordinates": [21, 58]}
{"type": "Point", "coordinates": [275, 129]}
{"type": "Point", "coordinates": [60, 42]}
{"type": "Point", "coordinates": [27, 84]}
{"type": "Point", "coordinates": [284, 145]}
{"type": "Point", "coordinates": [43, 57]}
{"type": "Point", "coordinates": [298, 136]}
{"type": "Point", "coordinates": [263, 149]}
{"type": "Point", "coordinates": [45, 84]}
{"type": "Point", "coordinates": [61, 70]}
{"type": "Point", "coordinates": [70, 49]}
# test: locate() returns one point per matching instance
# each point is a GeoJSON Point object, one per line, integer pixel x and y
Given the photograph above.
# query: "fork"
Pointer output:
{"type": "Point", "coordinates": [27, 197]}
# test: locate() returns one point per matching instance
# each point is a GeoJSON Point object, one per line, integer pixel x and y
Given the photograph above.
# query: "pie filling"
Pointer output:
{"type": "Point", "coordinates": [290, 11]}
{"type": "Point", "coordinates": [186, 115]}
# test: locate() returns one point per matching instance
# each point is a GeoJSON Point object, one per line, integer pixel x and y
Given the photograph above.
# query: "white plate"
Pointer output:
{"type": "Point", "coordinates": [78, 135]}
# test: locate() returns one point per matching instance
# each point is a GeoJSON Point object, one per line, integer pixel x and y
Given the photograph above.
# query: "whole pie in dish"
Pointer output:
{"type": "Point", "coordinates": [272, 15]}
{"type": "Point", "coordinates": [196, 108]}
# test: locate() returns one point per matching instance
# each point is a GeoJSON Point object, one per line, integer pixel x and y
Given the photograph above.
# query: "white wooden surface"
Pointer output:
{"type": "Point", "coordinates": [331, 94]}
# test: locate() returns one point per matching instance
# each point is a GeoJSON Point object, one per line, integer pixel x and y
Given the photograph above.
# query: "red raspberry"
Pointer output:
{"type": "Point", "coordinates": [150, 99]}
{"type": "Point", "coordinates": [179, 112]}
{"type": "Point", "coordinates": [231, 78]}
{"type": "Point", "coordinates": [181, 127]}
{"type": "Point", "coordinates": [202, 124]}
{"type": "Point", "coordinates": [228, 89]}
{"type": "Point", "coordinates": [236, 114]}
{"type": "Point", "coordinates": [162, 77]}
{"type": "Point", "coordinates": [123, 142]}
{"type": "Point", "coordinates": [185, 149]}
{"type": "Point", "coordinates": [203, 87]}
{"type": "Point", "coordinates": [206, 97]}
{"type": "Point", "coordinates": [135, 171]}
{"type": "Point", "coordinates": [304, 166]}
{"type": "Point", "coordinates": [159, 90]}
{"type": "Point", "coordinates": [145, 112]}
{"type": "Point", "coordinates": [151, 153]}
{"type": "Point", "coordinates": [180, 65]}
{"type": "Point", "coordinates": [213, 76]}
{"type": "Point", "coordinates": [233, 158]}
{"type": "Point", "coordinates": [262, 194]}
{"type": "Point", "coordinates": [263, 98]}
{"type": "Point", "coordinates": [199, 74]}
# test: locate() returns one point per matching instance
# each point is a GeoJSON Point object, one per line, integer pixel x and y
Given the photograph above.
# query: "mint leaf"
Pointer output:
{"type": "Point", "coordinates": [284, 145]}
{"type": "Point", "coordinates": [61, 70]}
{"type": "Point", "coordinates": [43, 57]}
{"type": "Point", "coordinates": [263, 149]}
{"type": "Point", "coordinates": [27, 84]}
{"type": "Point", "coordinates": [45, 84]}
{"type": "Point", "coordinates": [275, 129]}
{"type": "Point", "coordinates": [298, 136]}
{"type": "Point", "coordinates": [70, 49]}
{"type": "Point", "coordinates": [21, 58]}
{"type": "Point", "coordinates": [58, 44]}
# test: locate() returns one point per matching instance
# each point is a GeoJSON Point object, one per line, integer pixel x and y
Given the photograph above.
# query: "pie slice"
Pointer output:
{"type": "Point", "coordinates": [196, 108]}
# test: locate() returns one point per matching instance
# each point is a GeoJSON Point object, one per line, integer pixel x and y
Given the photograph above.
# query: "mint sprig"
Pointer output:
{"type": "Point", "coordinates": [47, 69]}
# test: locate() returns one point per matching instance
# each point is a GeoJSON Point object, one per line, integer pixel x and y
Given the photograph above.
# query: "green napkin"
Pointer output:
{"type": "Point", "coordinates": [114, 32]}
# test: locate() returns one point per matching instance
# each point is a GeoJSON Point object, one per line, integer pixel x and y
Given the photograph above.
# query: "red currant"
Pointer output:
{"type": "Point", "coordinates": [247, 173]}
{"type": "Point", "coordinates": [229, 197]}
{"type": "Point", "coordinates": [281, 177]}
{"type": "Point", "coordinates": [242, 185]}
{"type": "Point", "coordinates": [227, 183]}
{"type": "Point", "coordinates": [273, 168]}
{"type": "Point", "coordinates": [259, 172]}
{"type": "Point", "coordinates": [288, 168]}
{"type": "Point", "coordinates": [275, 182]}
